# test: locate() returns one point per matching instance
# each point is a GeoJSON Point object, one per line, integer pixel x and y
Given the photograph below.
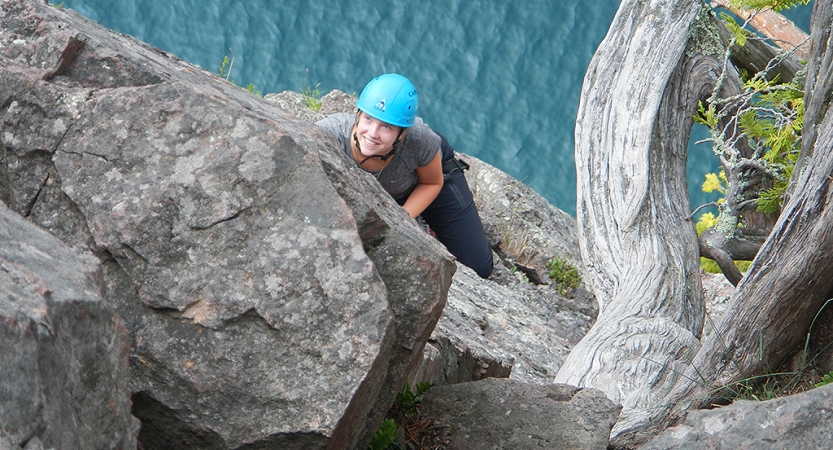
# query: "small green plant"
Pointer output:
{"type": "Point", "coordinates": [251, 88]}
{"type": "Point", "coordinates": [763, 387]}
{"type": "Point", "coordinates": [514, 270]}
{"type": "Point", "coordinates": [405, 407]}
{"type": "Point", "coordinates": [225, 68]}
{"type": "Point", "coordinates": [565, 276]}
{"type": "Point", "coordinates": [825, 380]}
{"type": "Point", "coordinates": [407, 401]}
{"type": "Point", "coordinates": [312, 96]}
{"type": "Point", "coordinates": [225, 73]}
{"type": "Point", "coordinates": [385, 436]}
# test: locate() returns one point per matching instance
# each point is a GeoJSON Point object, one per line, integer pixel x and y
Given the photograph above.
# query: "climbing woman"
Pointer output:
{"type": "Point", "coordinates": [414, 164]}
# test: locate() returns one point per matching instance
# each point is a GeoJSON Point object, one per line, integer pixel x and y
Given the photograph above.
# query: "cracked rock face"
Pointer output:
{"type": "Point", "coordinates": [260, 277]}
{"type": "Point", "coordinates": [64, 350]}
{"type": "Point", "coordinates": [796, 421]}
{"type": "Point", "coordinates": [503, 413]}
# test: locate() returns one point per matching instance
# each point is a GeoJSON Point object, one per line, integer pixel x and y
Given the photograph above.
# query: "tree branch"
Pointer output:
{"type": "Point", "coordinates": [774, 26]}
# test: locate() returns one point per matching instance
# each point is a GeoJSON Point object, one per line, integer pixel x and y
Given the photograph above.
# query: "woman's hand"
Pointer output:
{"type": "Point", "coordinates": [429, 183]}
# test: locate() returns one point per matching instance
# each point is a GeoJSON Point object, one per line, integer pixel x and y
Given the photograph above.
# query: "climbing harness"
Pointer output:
{"type": "Point", "coordinates": [453, 164]}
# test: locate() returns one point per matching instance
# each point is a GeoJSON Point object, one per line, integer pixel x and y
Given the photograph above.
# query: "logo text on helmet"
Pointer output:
{"type": "Point", "coordinates": [381, 105]}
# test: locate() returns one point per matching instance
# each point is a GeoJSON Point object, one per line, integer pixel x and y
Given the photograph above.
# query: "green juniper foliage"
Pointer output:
{"type": "Point", "coordinates": [775, 5]}
{"type": "Point", "coordinates": [740, 34]}
{"type": "Point", "coordinates": [770, 117]}
{"type": "Point", "coordinates": [774, 127]}
{"type": "Point", "coordinates": [771, 120]}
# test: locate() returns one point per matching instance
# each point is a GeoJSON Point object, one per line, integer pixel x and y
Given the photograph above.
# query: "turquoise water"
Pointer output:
{"type": "Point", "coordinates": [500, 79]}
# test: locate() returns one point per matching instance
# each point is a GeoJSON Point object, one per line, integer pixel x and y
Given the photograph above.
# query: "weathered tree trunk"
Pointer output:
{"type": "Point", "coordinates": [818, 86]}
{"type": "Point", "coordinates": [792, 276]}
{"type": "Point", "coordinates": [633, 124]}
{"type": "Point", "coordinates": [641, 251]}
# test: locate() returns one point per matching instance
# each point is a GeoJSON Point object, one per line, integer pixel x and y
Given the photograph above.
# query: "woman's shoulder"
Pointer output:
{"type": "Point", "coordinates": [423, 137]}
{"type": "Point", "coordinates": [422, 129]}
{"type": "Point", "coordinates": [339, 126]}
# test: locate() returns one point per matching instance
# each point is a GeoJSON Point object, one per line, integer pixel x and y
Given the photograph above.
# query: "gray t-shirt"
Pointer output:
{"type": "Point", "coordinates": [399, 177]}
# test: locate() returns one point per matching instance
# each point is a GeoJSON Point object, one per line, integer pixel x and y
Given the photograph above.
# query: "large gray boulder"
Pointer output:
{"type": "Point", "coordinates": [64, 370]}
{"type": "Point", "coordinates": [507, 414]}
{"type": "Point", "coordinates": [492, 329]}
{"type": "Point", "coordinates": [268, 286]}
{"type": "Point", "coordinates": [798, 421]}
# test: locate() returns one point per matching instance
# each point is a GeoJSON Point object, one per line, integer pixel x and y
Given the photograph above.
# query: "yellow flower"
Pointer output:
{"type": "Point", "coordinates": [712, 184]}
{"type": "Point", "coordinates": [706, 221]}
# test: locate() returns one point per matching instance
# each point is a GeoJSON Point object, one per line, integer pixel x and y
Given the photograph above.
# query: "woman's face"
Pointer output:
{"type": "Point", "coordinates": [375, 137]}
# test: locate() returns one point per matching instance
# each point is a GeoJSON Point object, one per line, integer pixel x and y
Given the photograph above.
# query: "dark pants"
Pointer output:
{"type": "Point", "coordinates": [453, 218]}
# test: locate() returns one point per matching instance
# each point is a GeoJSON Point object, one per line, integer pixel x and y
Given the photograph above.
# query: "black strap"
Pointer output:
{"type": "Point", "coordinates": [452, 165]}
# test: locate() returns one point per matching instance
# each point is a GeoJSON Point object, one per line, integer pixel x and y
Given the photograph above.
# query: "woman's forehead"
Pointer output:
{"type": "Point", "coordinates": [368, 116]}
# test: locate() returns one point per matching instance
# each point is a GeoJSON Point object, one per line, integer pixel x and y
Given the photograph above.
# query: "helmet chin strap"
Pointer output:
{"type": "Point", "coordinates": [384, 157]}
{"type": "Point", "coordinates": [388, 154]}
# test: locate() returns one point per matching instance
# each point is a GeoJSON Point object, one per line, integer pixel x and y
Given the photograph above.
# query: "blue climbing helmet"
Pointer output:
{"type": "Point", "coordinates": [390, 98]}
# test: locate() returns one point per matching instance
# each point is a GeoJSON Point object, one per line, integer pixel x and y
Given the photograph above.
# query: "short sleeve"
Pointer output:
{"type": "Point", "coordinates": [339, 125]}
{"type": "Point", "coordinates": [424, 142]}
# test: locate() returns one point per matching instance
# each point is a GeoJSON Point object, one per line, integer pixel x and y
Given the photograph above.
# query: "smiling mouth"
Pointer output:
{"type": "Point", "coordinates": [371, 145]}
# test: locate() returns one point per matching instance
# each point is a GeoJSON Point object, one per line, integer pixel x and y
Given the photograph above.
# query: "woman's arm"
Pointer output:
{"type": "Point", "coordinates": [429, 183]}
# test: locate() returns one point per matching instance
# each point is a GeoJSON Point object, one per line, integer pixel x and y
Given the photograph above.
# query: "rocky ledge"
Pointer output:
{"type": "Point", "coordinates": [188, 265]}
